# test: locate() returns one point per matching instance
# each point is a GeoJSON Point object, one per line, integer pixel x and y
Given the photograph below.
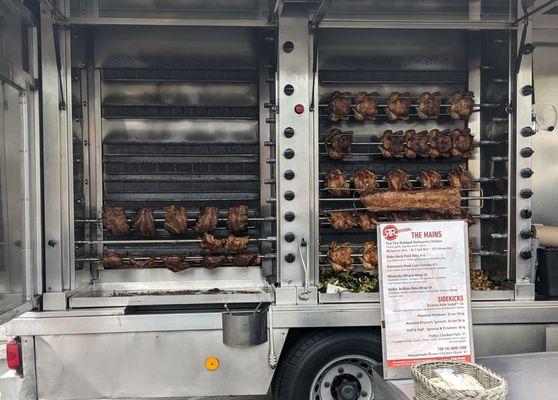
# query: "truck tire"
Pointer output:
{"type": "Point", "coordinates": [329, 364]}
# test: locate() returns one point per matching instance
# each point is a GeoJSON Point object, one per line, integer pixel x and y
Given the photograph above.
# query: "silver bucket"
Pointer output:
{"type": "Point", "coordinates": [245, 328]}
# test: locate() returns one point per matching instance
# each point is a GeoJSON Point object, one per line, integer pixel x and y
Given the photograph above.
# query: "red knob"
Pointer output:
{"type": "Point", "coordinates": [299, 109]}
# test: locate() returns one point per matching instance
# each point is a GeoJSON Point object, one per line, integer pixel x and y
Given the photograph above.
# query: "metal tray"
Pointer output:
{"type": "Point", "coordinates": [349, 297]}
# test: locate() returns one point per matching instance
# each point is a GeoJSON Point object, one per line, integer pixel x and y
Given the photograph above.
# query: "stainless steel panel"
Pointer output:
{"type": "Point", "coordinates": [508, 339]}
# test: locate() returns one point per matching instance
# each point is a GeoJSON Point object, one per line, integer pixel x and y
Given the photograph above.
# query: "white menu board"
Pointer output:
{"type": "Point", "coordinates": [425, 293]}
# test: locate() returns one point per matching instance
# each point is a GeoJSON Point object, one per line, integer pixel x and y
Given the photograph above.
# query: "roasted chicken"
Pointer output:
{"type": "Point", "coordinates": [147, 263]}
{"type": "Point", "coordinates": [467, 216]}
{"type": "Point", "coordinates": [176, 220]}
{"type": "Point", "coordinates": [440, 143]}
{"type": "Point", "coordinates": [236, 244]}
{"type": "Point", "coordinates": [114, 219]}
{"type": "Point", "coordinates": [340, 257]}
{"type": "Point", "coordinates": [462, 143]}
{"type": "Point", "coordinates": [245, 259]}
{"type": "Point", "coordinates": [366, 106]}
{"type": "Point", "coordinates": [367, 220]}
{"type": "Point", "coordinates": [416, 144]}
{"type": "Point", "coordinates": [144, 223]}
{"type": "Point", "coordinates": [369, 257]}
{"type": "Point", "coordinates": [238, 218]}
{"type": "Point", "coordinates": [342, 220]}
{"type": "Point", "coordinates": [207, 220]}
{"type": "Point", "coordinates": [398, 106]}
{"type": "Point", "coordinates": [430, 179]}
{"type": "Point", "coordinates": [400, 216]}
{"type": "Point", "coordinates": [113, 260]}
{"type": "Point", "coordinates": [398, 179]}
{"type": "Point", "coordinates": [428, 105]}
{"type": "Point", "coordinates": [339, 144]}
{"type": "Point", "coordinates": [210, 262]}
{"type": "Point", "coordinates": [444, 201]}
{"type": "Point", "coordinates": [339, 106]}
{"type": "Point", "coordinates": [175, 264]}
{"type": "Point", "coordinates": [211, 243]}
{"type": "Point", "coordinates": [460, 178]}
{"type": "Point", "coordinates": [392, 144]}
{"type": "Point", "coordinates": [461, 104]}
{"type": "Point", "coordinates": [336, 184]}
{"type": "Point", "coordinates": [364, 181]}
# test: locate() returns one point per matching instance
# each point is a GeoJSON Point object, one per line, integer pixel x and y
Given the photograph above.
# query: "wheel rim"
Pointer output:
{"type": "Point", "coordinates": [344, 378]}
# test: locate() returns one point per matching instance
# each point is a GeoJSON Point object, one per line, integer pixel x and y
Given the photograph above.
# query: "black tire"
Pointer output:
{"type": "Point", "coordinates": [310, 353]}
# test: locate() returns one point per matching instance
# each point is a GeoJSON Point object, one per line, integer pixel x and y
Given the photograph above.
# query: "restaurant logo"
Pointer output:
{"type": "Point", "coordinates": [390, 232]}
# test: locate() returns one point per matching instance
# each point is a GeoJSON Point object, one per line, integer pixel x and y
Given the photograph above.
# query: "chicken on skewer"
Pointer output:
{"type": "Point", "coordinates": [369, 257]}
{"type": "Point", "coordinates": [114, 219]}
{"type": "Point", "coordinates": [245, 259]}
{"type": "Point", "coordinates": [366, 106]}
{"type": "Point", "coordinates": [336, 184]}
{"type": "Point", "coordinates": [400, 216]}
{"type": "Point", "coordinates": [429, 105]}
{"type": "Point", "coordinates": [236, 244]}
{"type": "Point", "coordinates": [444, 201]}
{"type": "Point", "coordinates": [176, 264]}
{"type": "Point", "coordinates": [364, 181]}
{"type": "Point", "coordinates": [340, 257]}
{"type": "Point", "coordinates": [176, 220]}
{"type": "Point", "coordinates": [430, 179]}
{"type": "Point", "coordinates": [342, 220]}
{"type": "Point", "coordinates": [211, 243]}
{"type": "Point", "coordinates": [460, 178]}
{"type": "Point", "coordinates": [210, 262]}
{"type": "Point", "coordinates": [461, 104]}
{"type": "Point", "coordinates": [398, 106]}
{"type": "Point", "coordinates": [392, 144]}
{"type": "Point", "coordinates": [144, 223]}
{"type": "Point", "coordinates": [339, 144]}
{"type": "Point", "coordinates": [238, 218]}
{"type": "Point", "coordinates": [440, 143]}
{"type": "Point", "coordinates": [113, 260]}
{"type": "Point", "coordinates": [416, 144]}
{"type": "Point", "coordinates": [462, 143]}
{"type": "Point", "coordinates": [339, 106]}
{"type": "Point", "coordinates": [398, 179]}
{"type": "Point", "coordinates": [207, 220]}
{"type": "Point", "coordinates": [142, 263]}
{"type": "Point", "coordinates": [367, 220]}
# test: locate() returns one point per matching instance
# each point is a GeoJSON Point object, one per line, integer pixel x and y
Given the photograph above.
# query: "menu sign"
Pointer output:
{"type": "Point", "coordinates": [424, 288]}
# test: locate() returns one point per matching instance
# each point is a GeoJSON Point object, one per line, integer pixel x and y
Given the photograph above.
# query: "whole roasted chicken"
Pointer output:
{"type": "Point", "coordinates": [461, 104]}
{"type": "Point", "coordinates": [340, 257]}
{"type": "Point", "coordinates": [369, 257]}
{"type": "Point", "coordinates": [428, 105]}
{"type": "Point", "coordinates": [367, 221]}
{"type": "Point", "coordinates": [113, 260]}
{"type": "Point", "coordinates": [398, 106]}
{"type": "Point", "coordinates": [416, 144]}
{"type": "Point", "coordinates": [364, 181]}
{"type": "Point", "coordinates": [207, 220]}
{"type": "Point", "coordinates": [342, 220]}
{"type": "Point", "coordinates": [211, 243]}
{"type": "Point", "coordinates": [236, 244]}
{"type": "Point", "coordinates": [245, 259]}
{"type": "Point", "coordinates": [336, 184]}
{"type": "Point", "coordinates": [210, 262]}
{"type": "Point", "coordinates": [366, 106]}
{"type": "Point", "coordinates": [339, 106]}
{"type": "Point", "coordinates": [175, 264]}
{"type": "Point", "coordinates": [238, 218]}
{"type": "Point", "coordinates": [430, 179]}
{"type": "Point", "coordinates": [440, 143]}
{"type": "Point", "coordinates": [460, 178]}
{"type": "Point", "coordinates": [176, 220]}
{"type": "Point", "coordinates": [114, 219]}
{"type": "Point", "coordinates": [462, 143]}
{"type": "Point", "coordinates": [398, 179]}
{"type": "Point", "coordinates": [392, 144]}
{"type": "Point", "coordinates": [144, 223]}
{"type": "Point", "coordinates": [339, 144]}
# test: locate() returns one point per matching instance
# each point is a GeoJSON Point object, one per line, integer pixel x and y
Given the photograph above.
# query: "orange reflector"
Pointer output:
{"type": "Point", "coordinates": [212, 363]}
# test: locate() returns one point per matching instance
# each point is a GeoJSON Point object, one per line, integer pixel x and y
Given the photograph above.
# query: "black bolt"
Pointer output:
{"type": "Point", "coordinates": [288, 90]}
{"type": "Point", "coordinates": [526, 152]}
{"type": "Point", "coordinates": [288, 46]}
{"type": "Point", "coordinates": [290, 258]}
{"type": "Point", "coordinates": [527, 90]}
{"type": "Point", "coordinates": [327, 384]}
{"type": "Point", "coordinates": [289, 216]}
{"type": "Point", "coordinates": [288, 132]}
{"type": "Point", "coordinates": [340, 370]}
{"type": "Point", "coordinates": [526, 213]}
{"type": "Point", "coordinates": [289, 195]}
{"type": "Point", "coordinates": [526, 172]}
{"type": "Point", "coordinates": [52, 242]}
{"type": "Point", "coordinates": [359, 375]}
{"type": "Point", "coordinates": [526, 193]}
{"type": "Point", "coordinates": [525, 254]}
{"type": "Point", "coordinates": [526, 233]}
{"type": "Point", "coordinates": [528, 48]}
{"type": "Point", "coordinates": [289, 237]}
{"type": "Point", "coordinates": [289, 153]}
{"type": "Point", "coordinates": [289, 174]}
{"type": "Point", "coordinates": [527, 131]}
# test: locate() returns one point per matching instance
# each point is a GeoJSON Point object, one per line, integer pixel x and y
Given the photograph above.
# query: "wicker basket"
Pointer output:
{"type": "Point", "coordinates": [495, 387]}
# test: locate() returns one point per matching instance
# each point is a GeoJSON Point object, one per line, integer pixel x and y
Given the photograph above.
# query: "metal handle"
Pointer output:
{"type": "Point", "coordinates": [304, 295]}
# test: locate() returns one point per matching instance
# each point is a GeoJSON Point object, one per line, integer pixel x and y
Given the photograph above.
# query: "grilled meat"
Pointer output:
{"type": "Point", "coordinates": [460, 178]}
{"type": "Point", "coordinates": [366, 106]}
{"type": "Point", "coordinates": [237, 244]}
{"type": "Point", "coordinates": [336, 184]}
{"type": "Point", "coordinates": [237, 218]}
{"type": "Point", "coordinates": [369, 257]}
{"type": "Point", "coordinates": [367, 220]}
{"type": "Point", "coordinates": [113, 260]}
{"type": "Point", "coordinates": [440, 143]}
{"type": "Point", "coordinates": [207, 220]}
{"type": "Point", "coordinates": [416, 144]}
{"type": "Point", "coordinates": [429, 105]}
{"type": "Point", "coordinates": [176, 220]}
{"type": "Point", "coordinates": [398, 106]}
{"type": "Point", "coordinates": [400, 216]}
{"type": "Point", "coordinates": [143, 222]}
{"type": "Point", "coordinates": [393, 144]}
{"type": "Point", "coordinates": [339, 144]}
{"type": "Point", "coordinates": [471, 252]}
{"type": "Point", "coordinates": [210, 262]}
{"type": "Point", "coordinates": [176, 264]}
{"type": "Point", "coordinates": [142, 263]}
{"type": "Point", "coordinates": [342, 220]}
{"type": "Point", "coordinates": [211, 243]}
{"type": "Point", "coordinates": [398, 179]}
{"type": "Point", "coordinates": [445, 201]}
{"type": "Point", "coordinates": [461, 104]}
{"type": "Point", "coordinates": [430, 179]}
{"type": "Point", "coordinates": [339, 106]}
{"type": "Point", "coordinates": [462, 142]}
{"type": "Point", "coordinates": [245, 259]}
{"type": "Point", "coordinates": [466, 215]}
{"type": "Point", "coordinates": [364, 181]}
{"type": "Point", "coordinates": [340, 257]}
{"type": "Point", "coordinates": [480, 281]}
{"type": "Point", "coordinates": [114, 219]}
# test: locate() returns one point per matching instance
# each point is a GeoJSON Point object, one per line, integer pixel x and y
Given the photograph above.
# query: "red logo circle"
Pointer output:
{"type": "Point", "coordinates": [390, 232]}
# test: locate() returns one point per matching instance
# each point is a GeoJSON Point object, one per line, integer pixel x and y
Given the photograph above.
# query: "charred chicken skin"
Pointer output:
{"type": "Point", "coordinates": [460, 178]}
{"type": "Point", "coordinates": [245, 259]}
{"type": "Point", "coordinates": [175, 264]}
{"type": "Point", "coordinates": [398, 106]}
{"type": "Point", "coordinates": [366, 106]}
{"type": "Point", "coordinates": [207, 220]}
{"type": "Point", "coordinates": [440, 143]}
{"type": "Point", "coordinates": [211, 243]}
{"type": "Point", "coordinates": [148, 263]}
{"type": "Point", "coordinates": [144, 223]}
{"type": "Point", "coordinates": [114, 219]}
{"type": "Point", "coordinates": [339, 106]}
{"type": "Point", "coordinates": [429, 105]}
{"type": "Point", "coordinates": [416, 144]}
{"type": "Point", "coordinates": [238, 218]}
{"type": "Point", "coordinates": [369, 257]}
{"type": "Point", "coordinates": [444, 201]}
{"type": "Point", "coordinates": [176, 220]}
{"type": "Point", "coordinates": [364, 181]}
{"type": "Point", "coordinates": [462, 143]}
{"type": "Point", "coordinates": [336, 184]}
{"type": "Point", "coordinates": [113, 260]}
{"type": "Point", "coordinates": [392, 144]}
{"type": "Point", "coordinates": [461, 104]}
{"type": "Point", "coordinates": [367, 220]}
{"type": "Point", "coordinates": [236, 244]}
{"type": "Point", "coordinates": [339, 144]}
{"type": "Point", "coordinates": [342, 220]}
{"type": "Point", "coordinates": [340, 257]}
{"type": "Point", "coordinates": [210, 262]}
{"type": "Point", "coordinates": [430, 179]}
{"type": "Point", "coordinates": [398, 179]}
